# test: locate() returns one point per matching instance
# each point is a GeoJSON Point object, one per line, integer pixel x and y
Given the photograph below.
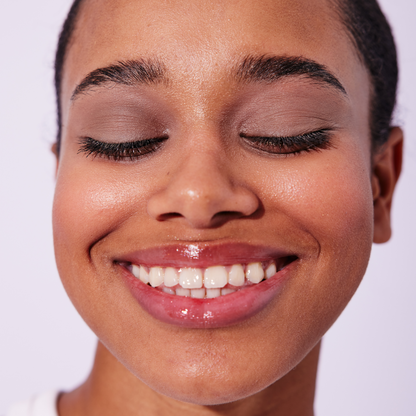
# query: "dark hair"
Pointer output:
{"type": "Point", "coordinates": [63, 44]}
{"type": "Point", "coordinates": [372, 36]}
{"type": "Point", "coordinates": [369, 31]}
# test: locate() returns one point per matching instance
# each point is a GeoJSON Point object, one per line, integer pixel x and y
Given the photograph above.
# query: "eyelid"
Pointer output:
{"type": "Point", "coordinates": [278, 145]}
{"type": "Point", "coordinates": [285, 145]}
{"type": "Point", "coordinates": [118, 151]}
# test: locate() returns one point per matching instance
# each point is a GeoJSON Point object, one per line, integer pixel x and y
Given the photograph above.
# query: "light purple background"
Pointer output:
{"type": "Point", "coordinates": [368, 365]}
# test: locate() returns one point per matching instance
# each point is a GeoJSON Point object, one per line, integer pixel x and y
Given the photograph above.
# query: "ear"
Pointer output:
{"type": "Point", "coordinates": [387, 165]}
{"type": "Point", "coordinates": [54, 149]}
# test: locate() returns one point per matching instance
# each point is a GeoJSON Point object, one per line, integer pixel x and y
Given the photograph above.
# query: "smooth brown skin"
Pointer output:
{"type": "Point", "coordinates": [327, 206]}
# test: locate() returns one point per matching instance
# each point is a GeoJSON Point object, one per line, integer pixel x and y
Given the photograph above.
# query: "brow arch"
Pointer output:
{"type": "Point", "coordinates": [130, 72]}
{"type": "Point", "coordinates": [270, 69]}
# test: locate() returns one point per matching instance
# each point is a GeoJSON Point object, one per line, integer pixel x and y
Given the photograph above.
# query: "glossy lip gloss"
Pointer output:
{"type": "Point", "coordinates": [218, 312]}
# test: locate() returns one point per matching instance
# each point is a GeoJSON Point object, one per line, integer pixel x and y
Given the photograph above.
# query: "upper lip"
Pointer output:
{"type": "Point", "coordinates": [203, 254]}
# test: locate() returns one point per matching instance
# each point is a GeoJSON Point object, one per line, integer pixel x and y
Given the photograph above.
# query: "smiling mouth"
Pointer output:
{"type": "Point", "coordinates": [210, 282]}
{"type": "Point", "coordinates": [206, 285]}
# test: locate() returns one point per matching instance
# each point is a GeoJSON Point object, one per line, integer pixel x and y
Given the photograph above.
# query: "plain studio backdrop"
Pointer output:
{"type": "Point", "coordinates": [368, 363]}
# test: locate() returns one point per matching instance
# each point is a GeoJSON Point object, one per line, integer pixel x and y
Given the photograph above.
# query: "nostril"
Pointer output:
{"type": "Point", "coordinates": [168, 216]}
{"type": "Point", "coordinates": [252, 213]}
{"type": "Point", "coordinates": [228, 215]}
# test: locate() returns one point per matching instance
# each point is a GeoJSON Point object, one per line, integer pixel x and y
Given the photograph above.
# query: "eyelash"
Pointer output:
{"type": "Point", "coordinates": [287, 145]}
{"type": "Point", "coordinates": [291, 145]}
{"type": "Point", "coordinates": [119, 151]}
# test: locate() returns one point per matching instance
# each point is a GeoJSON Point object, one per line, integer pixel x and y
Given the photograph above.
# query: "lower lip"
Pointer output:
{"type": "Point", "coordinates": [218, 312]}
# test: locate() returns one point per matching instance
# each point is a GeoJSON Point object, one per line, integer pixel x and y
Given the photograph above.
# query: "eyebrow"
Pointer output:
{"type": "Point", "coordinates": [273, 68]}
{"type": "Point", "coordinates": [129, 73]}
{"type": "Point", "coordinates": [251, 69]}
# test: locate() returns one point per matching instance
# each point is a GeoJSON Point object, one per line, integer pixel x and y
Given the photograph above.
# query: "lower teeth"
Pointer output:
{"type": "Point", "coordinates": [198, 293]}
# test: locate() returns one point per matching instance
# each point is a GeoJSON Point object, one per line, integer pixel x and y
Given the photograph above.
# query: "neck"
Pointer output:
{"type": "Point", "coordinates": [112, 389]}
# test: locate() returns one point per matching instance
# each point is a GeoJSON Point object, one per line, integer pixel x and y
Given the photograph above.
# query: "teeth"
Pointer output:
{"type": "Point", "coordinates": [203, 283]}
{"type": "Point", "coordinates": [144, 276]}
{"type": "Point", "coordinates": [156, 276]}
{"type": "Point", "coordinates": [255, 272]}
{"type": "Point", "coordinates": [198, 293]}
{"type": "Point", "coordinates": [227, 291]}
{"type": "Point", "coordinates": [236, 275]}
{"type": "Point", "coordinates": [213, 293]}
{"type": "Point", "coordinates": [180, 291]}
{"type": "Point", "coordinates": [215, 277]}
{"type": "Point", "coordinates": [168, 290]}
{"type": "Point", "coordinates": [270, 271]}
{"type": "Point", "coordinates": [136, 271]}
{"type": "Point", "coordinates": [190, 278]}
{"type": "Point", "coordinates": [171, 277]}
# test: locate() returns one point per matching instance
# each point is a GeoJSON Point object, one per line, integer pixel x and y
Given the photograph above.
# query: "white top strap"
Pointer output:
{"type": "Point", "coordinates": [44, 405]}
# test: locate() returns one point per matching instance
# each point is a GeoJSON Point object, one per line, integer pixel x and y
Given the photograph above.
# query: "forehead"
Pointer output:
{"type": "Point", "coordinates": [199, 39]}
{"type": "Point", "coordinates": [201, 22]}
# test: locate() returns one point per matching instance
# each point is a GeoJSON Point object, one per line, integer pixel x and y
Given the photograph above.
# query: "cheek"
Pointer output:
{"type": "Point", "coordinates": [331, 200]}
{"type": "Point", "coordinates": [90, 203]}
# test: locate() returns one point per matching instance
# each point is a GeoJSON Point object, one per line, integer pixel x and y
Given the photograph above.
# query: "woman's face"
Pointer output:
{"type": "Point", "coordinates": [255, 156]}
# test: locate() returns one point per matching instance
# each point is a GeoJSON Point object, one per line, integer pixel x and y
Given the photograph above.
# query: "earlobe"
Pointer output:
{"type": "Point", "coordinates": [387, 165]}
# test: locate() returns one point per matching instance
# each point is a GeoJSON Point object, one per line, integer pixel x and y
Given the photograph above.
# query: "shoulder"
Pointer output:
{"type": "Point", "coordinates": [43, 405]}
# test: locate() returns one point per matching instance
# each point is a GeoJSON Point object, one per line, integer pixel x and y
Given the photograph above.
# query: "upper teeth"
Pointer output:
{"type": "Point", "coordinates": [212, 278]}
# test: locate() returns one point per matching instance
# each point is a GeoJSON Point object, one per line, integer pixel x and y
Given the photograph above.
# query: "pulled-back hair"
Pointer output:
{"type": "Point", "coordinates": [61, 51]}
{"type": "Point", "coordinates": [371, 34]}
{"type": "Point", "coordinates": [368, 30]}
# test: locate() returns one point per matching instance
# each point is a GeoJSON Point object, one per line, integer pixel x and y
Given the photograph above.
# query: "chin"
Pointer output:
{"type": "Point", "coordinates": [212, 389]}
{"type": "Point", "coordinates": [208, 372]}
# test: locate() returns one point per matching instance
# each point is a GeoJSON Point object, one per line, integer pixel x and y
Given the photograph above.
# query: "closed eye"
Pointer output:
{"type": "Point", "coordinates": [285, 145]}
{"type": "Point", "coordinates": [119, 151]}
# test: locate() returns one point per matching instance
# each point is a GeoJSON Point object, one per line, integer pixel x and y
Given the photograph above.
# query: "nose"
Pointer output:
{"type": "Point", "coordinates": [203, 192]}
